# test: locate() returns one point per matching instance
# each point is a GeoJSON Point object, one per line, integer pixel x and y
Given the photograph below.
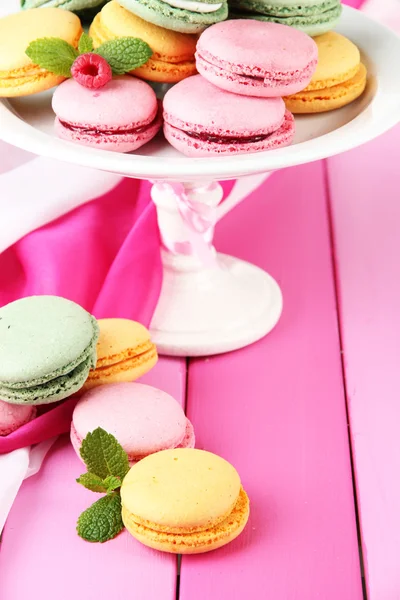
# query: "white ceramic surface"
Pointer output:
{"type": "Point", "coordinates": [28, 123]}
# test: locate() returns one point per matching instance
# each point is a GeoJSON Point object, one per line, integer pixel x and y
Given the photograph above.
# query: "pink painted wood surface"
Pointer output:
{"type": "Point", "coordinates": [366, 217]}
{"type": "Point", "coordinates": [42, 557]}
{"type": "Point", "coordinates": [277, 411]}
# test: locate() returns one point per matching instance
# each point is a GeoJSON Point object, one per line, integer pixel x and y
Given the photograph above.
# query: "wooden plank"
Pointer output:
{"type": "Point", "coordinates": [276, 410]}
{"type": "Point", "coordinates": [366, 217]}
{"type": "Point", "coordinates": [57, 564]}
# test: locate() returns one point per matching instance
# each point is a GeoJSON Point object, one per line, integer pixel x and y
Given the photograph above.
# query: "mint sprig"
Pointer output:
{"type": "Point", "coordinates": [103, 455]}
{"type": "Point", "coordinates": [57, 56]}
{"type": "Point", "coordinates": [107, 464]}
{"type": "Point", "coordinates": [53, 54]}
{"type": "Point", "coordinates": [125, 54]}
{"type": "Point", "coordinates": [102, 521]}
{"type": "Point", "coordinates": [85, 44]}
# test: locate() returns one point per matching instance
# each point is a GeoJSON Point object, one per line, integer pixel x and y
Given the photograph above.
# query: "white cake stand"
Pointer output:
{"type": "Point", "coordinates": [224, 303]}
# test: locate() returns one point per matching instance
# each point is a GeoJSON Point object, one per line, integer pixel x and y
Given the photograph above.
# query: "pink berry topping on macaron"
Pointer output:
{"type": "Point", "coordinates": [91, 70]}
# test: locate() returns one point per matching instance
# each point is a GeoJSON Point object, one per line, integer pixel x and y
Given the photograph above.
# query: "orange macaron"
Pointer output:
{"type": "Point", "coordinates": [173, 52]}
{"type": "Point", "coordinates": [125, 352]}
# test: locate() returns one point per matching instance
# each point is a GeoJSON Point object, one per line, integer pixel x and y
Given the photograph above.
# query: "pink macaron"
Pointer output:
{"type": "Point", "coordinates": [13, 416]}
{"type": "Point", "coordinates": [203, 120]}
{"type": "Point", "coordinates": [121, 116]}
{"type": "Point", "coordinates": [142, 418]}
{"type": "Point", "coordinates": [255, 58]}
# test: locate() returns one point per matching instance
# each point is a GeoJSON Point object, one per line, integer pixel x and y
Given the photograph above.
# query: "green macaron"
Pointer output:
{"type": "Point", "coordinates": [86, 9]}
{"type": "Point", "coordinates": [47, 347]}
{"type": "Point", "coordinates": [185, 16]}
{"type": "Point", "coordinates": [314, 17]}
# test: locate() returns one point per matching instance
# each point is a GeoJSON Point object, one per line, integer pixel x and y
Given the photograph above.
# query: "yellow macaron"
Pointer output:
{"type": "Point", "coordinates": [184, 501]}
{"type": "Point", "coordinates": [125, 352]}
{"type": "Point", "coordinates": [340, 77]}
{"type": "Point", "coordinates": [173, 52]}
{"type": "Point", "coordinates": [18, 75]}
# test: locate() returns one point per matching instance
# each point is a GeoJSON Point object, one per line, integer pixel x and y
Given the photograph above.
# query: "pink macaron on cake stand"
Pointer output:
{"type": "Point", "coordinates": [211, 303]}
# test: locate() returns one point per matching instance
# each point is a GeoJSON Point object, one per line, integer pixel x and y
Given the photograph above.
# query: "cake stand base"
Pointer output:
{"type": "Point", "coordinates": [210, 311]}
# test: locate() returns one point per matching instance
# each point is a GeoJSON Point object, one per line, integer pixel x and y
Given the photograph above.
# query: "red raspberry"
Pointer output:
{"type": "Point", "coordinates": [91, 70]}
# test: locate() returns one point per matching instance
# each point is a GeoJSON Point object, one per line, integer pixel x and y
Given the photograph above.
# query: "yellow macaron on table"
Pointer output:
{"type": "Point", "coordinates": [210, 303]}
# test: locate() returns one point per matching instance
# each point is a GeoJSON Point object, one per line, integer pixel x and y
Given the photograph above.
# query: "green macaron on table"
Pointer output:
{"type": "Point", "coordinates": [240, 303]}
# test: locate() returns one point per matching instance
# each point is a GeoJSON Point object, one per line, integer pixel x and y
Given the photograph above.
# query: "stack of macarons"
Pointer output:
{"type": "Point", "coordinates": [51, 349]}
{"type": "Point", "coordinates": [235, 105]}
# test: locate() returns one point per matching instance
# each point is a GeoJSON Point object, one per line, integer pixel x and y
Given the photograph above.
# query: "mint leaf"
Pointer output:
{"type": "Point", "coordinates": [103, 455]}
{"type": "Point", "coordinates": [93, 482]}
{"type": "Point", "coordinates": [111, 483]}
{"type": "Point", "coordinates": [53, 54]}
{"type": "Point", "coordinates": [85, 44]}
{"type": "Point", "coordinates": [102, 521]}
{"type": "Point", "coordinates": [125, 54]}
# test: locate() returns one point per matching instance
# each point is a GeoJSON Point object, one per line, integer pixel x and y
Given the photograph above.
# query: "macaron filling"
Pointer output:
{"type": "Point", "coordinates": [220, 530]}
{"type": "Point", "coordinates": [223, 138]}
{"type": "Point", "coordinates": [246, 75]}
{"type": "Point", "coordinates": [97, 131]}
{"type": "Point", "coordinates": [196, 7]}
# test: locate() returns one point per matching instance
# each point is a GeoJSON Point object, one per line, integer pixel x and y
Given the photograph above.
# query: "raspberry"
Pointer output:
{"type": "Point", "coordinates": [91, 70]}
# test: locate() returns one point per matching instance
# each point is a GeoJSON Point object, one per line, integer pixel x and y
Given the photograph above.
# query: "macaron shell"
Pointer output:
{"type": "Point", "coordinates": [71, 5]}
{"type": "Point", "coordinates": [12, 417]}
{"type": "Point", "coordinates": [255, 58]}
{"type": "Point", "coordinates": [197, 542]}
{"type": "Point", "coordinates": [338, 61]}
{"type": "Point", "coordinates": [173, 52]}
{"type": "Point", "coordinates": [142, 418]}
{"type": "Point", "coordinates": [181, 491]}
{"type": "Point", "coordinates": [120, 339]}
{"type": "Point", "coordinates": [18, 75]}
{"type": "Point", "coordinates": [177, 19]}
{"type": "Point", "coordinates": [125, 102]}
{"type": "Point", "coordinates": [43, 337]}
{"type": "Point", "coordinates": [318, 101]}
{"type": "Point", "coordinates": [126, 370]}
{"type": "Point", "coordinates": [196, 105]}
{"type": "Point", "coordinates": [313, 18]}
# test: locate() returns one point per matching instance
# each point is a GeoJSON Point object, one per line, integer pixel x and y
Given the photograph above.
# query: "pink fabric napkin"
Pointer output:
{"type": "Point", "coordinates": [104, 255]}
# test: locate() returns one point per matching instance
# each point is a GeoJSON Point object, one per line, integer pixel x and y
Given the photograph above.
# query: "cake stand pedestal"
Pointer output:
{"type": "Point", "coordinates": [207, 308]}
{"type": "Point", "coordinates": [213, 303]}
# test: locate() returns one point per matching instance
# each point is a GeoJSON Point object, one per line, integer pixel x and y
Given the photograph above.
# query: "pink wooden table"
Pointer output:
{"type": "Point", "coordinates": [309, 416]}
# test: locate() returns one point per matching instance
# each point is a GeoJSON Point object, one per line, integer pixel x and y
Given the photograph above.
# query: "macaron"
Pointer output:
{"type": "Point", "coordinates": [254, 58]}
{"type": "Point", "coordinates": [125, 352]}
{"type": "Point", "coordinates": [314, 17]}
{"type": "Point", "coordinates": [186, 16]}
{"type": "Point", "coordinates": [173, 52]}
{"type": "Point", "coordinates": [48, 345]}
{"type": "Point", "coordinates": [13, 416]}
{"type": "Point", "coordinates": [119, 117]}
{"type": "Point", "coordinates": [18, 75]}
{"type": "Point", "coordinates": [84, 8]}
{"type": "Point", "coordinates": [142, 418]}
{"type": "Point", "coordinates": [203, 120]}
{"type": "Point", "coordinates": [184, 501]}
{"type": "Point", "coordinates": [339, 79]}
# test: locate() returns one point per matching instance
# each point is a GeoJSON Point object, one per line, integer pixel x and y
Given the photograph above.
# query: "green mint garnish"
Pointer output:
{"type": "Point", "coordinates": [107, 464]}
{"type": "Point", "coordinates": [53, 54]}
{"type": "Point", "coordinates": [92, 482]}
{"type": "Point", "coordinates": [85, 44]}
{"type": "Point", "coordinates": [125, 54]}
{"type": "Point", "coordinates": [103, 455]}
{"type": "Point", "coordinates": [102, 521]}
{"type": "Point", "coordinates": [112, 483]}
